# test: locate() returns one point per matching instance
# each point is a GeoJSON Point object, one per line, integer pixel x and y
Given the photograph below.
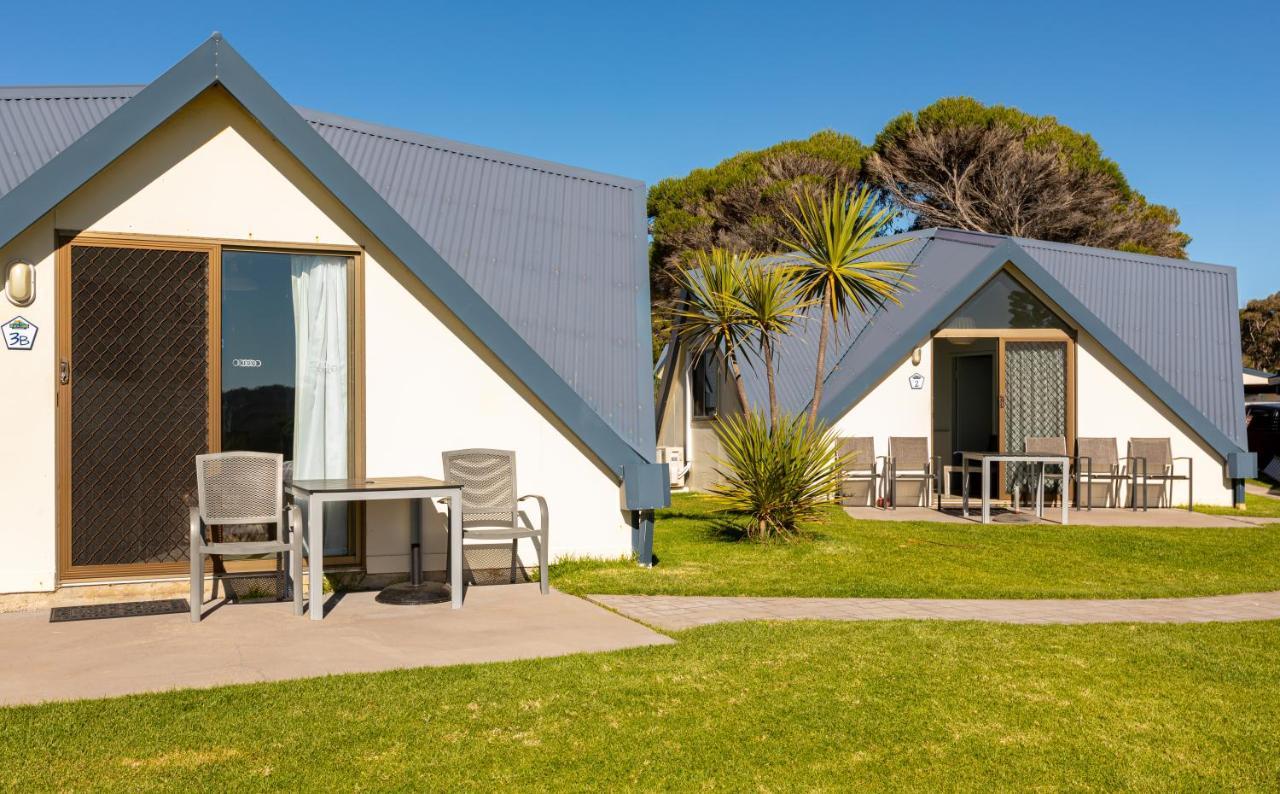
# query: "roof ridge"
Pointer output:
{"type": "Point", "coordinates": [55, 92]}
{"type": "Point", "coordinates": [427, 140]}
{"type": "Point", "coordinates": [1125, 256]}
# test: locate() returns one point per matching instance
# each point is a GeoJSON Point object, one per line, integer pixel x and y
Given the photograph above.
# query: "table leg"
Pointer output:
{"type": "Point", "coordinates": [986, 491]}
{"type": "Point", "coordinates": [315, 555]}
{"type": "Point", "coordinates": [455, 547]}
{"type": "Point", "coordinates": [1066, 478]}
{"type": "Point", "coordinates": [1040, 493]}
{"type": "Point", "coordinates": [964, 486]}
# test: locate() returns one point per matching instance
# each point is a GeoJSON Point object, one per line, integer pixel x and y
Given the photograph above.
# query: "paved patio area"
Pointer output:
{"type": "Point", "coordinates": [1097, 517]}
{"type": "Point", "coordinates": [243, 643]}
{"type": "Point", "coordinates": [686, 612]}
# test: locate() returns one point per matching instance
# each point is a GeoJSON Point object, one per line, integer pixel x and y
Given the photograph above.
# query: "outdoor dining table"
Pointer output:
{"type": "Point", "coordinates": [313, 495]}
{"type": "Point", "coordinates": [984, 461]}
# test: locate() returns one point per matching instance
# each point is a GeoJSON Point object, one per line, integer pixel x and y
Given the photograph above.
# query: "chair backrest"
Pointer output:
{"type": "Point", "coordinates": [1045, 445]}
{"type": "Point", "coordinates": [859, 453]}
{"type": "Point", "coordinates": [488, 480]}
{"type": "Point", "coordinates": [909, 453]}
{"type": "Point", "coordinates": [240, 487]}
{"type": "Point", "coordinates": [1157, 451]}
{"type": "Point", "coordinates": [1101, 452]}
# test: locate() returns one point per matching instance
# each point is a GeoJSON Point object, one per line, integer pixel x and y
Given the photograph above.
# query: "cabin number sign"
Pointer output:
{"type": "Point", "coordinates": [19, 334]}
{"type": "Point", "coordinates": [917, 381]}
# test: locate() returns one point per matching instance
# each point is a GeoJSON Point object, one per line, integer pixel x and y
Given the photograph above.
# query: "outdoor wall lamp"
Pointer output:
{"type": "Point", "coordinates": [20, 283]}
{"type": "Point", "coordinates": [915, 357]}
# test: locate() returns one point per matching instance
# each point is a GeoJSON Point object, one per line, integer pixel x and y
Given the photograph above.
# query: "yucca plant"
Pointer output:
{"type": "Point", "coordinates": [831, 242]}
{"type": "Point", "coordinates": [776, 475]}
{"type": "Point", "coordinates": [771, 305]}
{"type": "Point", "coordinates": [710, 311]}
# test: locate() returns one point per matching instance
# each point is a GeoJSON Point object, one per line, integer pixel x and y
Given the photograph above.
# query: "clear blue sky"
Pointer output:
{"type": "Point", "coordinates": [1186, 97]}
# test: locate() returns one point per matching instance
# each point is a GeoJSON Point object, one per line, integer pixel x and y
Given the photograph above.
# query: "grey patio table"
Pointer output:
{"type": "Point", "coordinates": [985, 459]}
{"type": "Point", "coordinates": [315, 494]}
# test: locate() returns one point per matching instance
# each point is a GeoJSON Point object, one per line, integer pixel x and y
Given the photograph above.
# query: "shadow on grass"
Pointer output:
{"type": "Point", "coordinates": [727, 527]}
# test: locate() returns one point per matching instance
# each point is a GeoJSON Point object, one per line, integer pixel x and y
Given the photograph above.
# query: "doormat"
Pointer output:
{"type": "Point", "coordinates": [1014, 518]}
{"type": "Point", "coordinates": [126, 609]}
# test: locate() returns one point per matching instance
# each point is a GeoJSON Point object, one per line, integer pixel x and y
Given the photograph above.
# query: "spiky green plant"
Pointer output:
{"type": "Point", "coordinates": [777, 475]}
{"type": "Point", "coordinates": [710, 311]}
{"type": "Point", "coordinates": [772, 305]}
{"type": "Point", "coordinates": [831, 243]}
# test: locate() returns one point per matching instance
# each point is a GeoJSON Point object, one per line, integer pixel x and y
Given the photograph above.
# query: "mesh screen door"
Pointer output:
{"type": "Point", "coordinates": [1035, 400]}
{"type": "Point", "coordinates": [139, 401]}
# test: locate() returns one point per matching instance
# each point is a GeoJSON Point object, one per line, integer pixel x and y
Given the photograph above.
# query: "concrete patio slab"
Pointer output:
{"type": "Point", "coordinates": [1097, 517]}
{"type": "Point", "coordinates": [245, 643]}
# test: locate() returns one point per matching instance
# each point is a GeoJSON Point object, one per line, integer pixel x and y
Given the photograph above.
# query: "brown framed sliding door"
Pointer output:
{"type": "Point", "coordinates": [1037, 398]}
{"type": "Point", "coordinates": [137, 402]}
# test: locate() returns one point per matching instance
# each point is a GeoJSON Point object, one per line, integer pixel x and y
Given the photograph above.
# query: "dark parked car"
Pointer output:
{"type": "Point", "coordinates": [1263, 421]}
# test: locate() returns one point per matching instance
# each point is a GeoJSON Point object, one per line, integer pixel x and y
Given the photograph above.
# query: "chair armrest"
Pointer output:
{"type": "Point", "coordinates": [1136, 460]}
{"type": "Point", "coordinates": [542, 508]}
{"type": "Point", "coordinates": [197, 527]}
{"type": "Point", "coordinates": [1187, 458]}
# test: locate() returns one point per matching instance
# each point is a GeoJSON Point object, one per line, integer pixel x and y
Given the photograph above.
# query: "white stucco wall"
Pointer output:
{"type": "Point", "coordinates": [1111, 402]}
{"type": "Point", "coordinates": [212, 172]}
{"type": "Point", "coordinates": [28, 506]}
{"type": "Point", "coordinates": [892, 407]}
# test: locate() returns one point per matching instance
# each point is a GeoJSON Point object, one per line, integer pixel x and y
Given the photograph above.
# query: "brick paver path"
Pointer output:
{"type": "Point", "coordinates": [683, 612]}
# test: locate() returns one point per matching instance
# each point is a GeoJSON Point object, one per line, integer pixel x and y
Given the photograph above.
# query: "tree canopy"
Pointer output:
{"type": "Point", "coordinates": [996, 169]}
{"type": "Point", "coordinates": [739, 205]}
{"type": "Point", "coordinates": [1260, 333]}
{"type": "Point", "coordinates": [956, 162]}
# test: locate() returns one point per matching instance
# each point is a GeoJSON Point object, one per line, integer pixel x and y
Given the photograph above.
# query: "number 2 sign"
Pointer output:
{"type": "Point", "coordinates": [19, 334]}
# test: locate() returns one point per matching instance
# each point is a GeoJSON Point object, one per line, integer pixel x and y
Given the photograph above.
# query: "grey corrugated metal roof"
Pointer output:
{"type": "Point", "coordinates": [557, 251]}
{"type": "Point", "coordinates": [1177, 316]}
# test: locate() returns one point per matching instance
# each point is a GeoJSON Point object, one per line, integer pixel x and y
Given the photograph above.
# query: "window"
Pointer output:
{"type": "Point", "coordinates": [1004, 303]}
{"type": "Point", "coordinates": [285, 376]}
{"type": "Point", "coordinates": [705, 382]}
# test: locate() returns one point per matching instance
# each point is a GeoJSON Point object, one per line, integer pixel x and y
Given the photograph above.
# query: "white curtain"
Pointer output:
{"type": "Point", "coordinates": [320, 384]}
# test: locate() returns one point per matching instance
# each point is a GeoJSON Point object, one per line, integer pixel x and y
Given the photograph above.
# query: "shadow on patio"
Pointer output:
{"type": "Point", "coordinates": [244, 643]}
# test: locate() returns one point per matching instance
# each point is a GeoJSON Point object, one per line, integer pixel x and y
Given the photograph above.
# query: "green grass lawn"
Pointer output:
{"type": "Point", "coordinates": [747, 706]}
{"type": "Point", "coordinates": [1254, 505]}
{"type": "Point", "coordinates": [844, 557]}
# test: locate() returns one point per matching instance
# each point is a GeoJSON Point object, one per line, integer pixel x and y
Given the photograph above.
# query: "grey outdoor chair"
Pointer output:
{"type": "Point", "coordinates": [490, 507]}
{"type": "Point", "coordinates": [1049, 445]}
{"type": "Point", "coordinates": [1154, 462]}
{"type": "Point", "coordinates": [239, 488]}
{"type": "Point", "coordinates": [859, 454]}
{"type": "Point", "coordinates": [909, 461]}
{"type": "Point", "coordinates": [1098, 463]}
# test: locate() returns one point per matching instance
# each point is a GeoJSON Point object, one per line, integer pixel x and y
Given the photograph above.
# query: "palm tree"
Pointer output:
{"type": "Point", "coordinates": [772, 304]}
{"type": "Point", "coordinates": [831, 242]}
{"type": "Point", "coordinates": [710, 311]}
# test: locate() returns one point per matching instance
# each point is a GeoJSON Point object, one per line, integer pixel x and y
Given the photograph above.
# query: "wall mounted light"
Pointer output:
{"type": "Point", "coordinates": [20, 283]}
{"type": "Point", "coordinates": [915, 357]}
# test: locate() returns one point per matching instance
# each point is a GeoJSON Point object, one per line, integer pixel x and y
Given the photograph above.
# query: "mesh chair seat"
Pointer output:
{"type": "Point", "coordinates": [490, 506]}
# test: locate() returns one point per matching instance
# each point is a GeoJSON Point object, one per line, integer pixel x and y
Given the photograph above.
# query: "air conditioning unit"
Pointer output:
{"type": "Point", "coordinates": [676, 465]}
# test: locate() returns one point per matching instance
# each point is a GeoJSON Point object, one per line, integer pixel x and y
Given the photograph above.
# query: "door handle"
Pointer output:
{"type": "Point", "coordinates": [64, 372]}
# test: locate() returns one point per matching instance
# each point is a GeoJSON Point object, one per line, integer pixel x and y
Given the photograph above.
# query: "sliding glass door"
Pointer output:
{"type": "Point", "coordinates": [171, 348]}
{"type": "Point", "coordinates": [286, 380]}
